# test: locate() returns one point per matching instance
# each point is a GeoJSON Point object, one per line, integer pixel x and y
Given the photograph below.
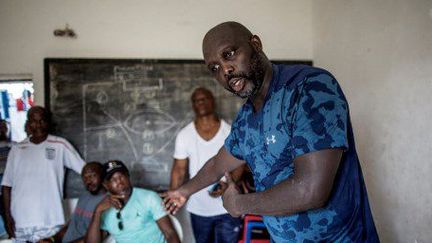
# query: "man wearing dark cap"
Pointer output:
{"type": "Point", "coordinates": [129, 214]}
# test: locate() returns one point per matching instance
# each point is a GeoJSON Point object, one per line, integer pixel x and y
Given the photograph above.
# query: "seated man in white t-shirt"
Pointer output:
{"type": "Point", "coordinates": [33, 181]}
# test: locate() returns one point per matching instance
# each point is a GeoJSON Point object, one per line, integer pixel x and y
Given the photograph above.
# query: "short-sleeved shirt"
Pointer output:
{"type": "Point", "coordinates": [304, 111]}
{"type": "Point", "coordinates": [82, 216]}
{"type": "Point", "coordinates": [138, 217]}
{"type": "Point", "coordinates": [35, 172]}
{"type": "Point", "coordinates": [190, 145]}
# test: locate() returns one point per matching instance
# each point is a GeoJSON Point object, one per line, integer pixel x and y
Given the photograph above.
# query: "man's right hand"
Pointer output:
{"type": "Point", "coordinates": [110, 201]}
{"type": "Point", "coordinates": [10, 226]}
{"type": "Point", "coordinates": [173, 200]}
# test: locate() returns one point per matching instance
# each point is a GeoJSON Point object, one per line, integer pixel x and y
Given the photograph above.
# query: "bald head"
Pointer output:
{"type": "Point", "coordinates": [207, 92]}
{"type": "Point", "coordinates": [93, 166]}
{"type": "Point", "coordinates": [38, 109]}
{"type": "Point", "coordinates": [227, 31]}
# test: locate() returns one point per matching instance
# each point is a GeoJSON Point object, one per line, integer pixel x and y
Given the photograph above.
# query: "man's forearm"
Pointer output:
{"type": "Point", "coordinates": [79, 240]}
{"type": "Point", "coordinates": [6, 191]}
{"type": "Point", "coordinates": [177, 180]}
{"type": "Point", "coordinates": [58, 237]}
{"type": "Point", "coordinates": [208, 174]}
{"type": "Point", "coordinates": [10, 222]}
{"type": "Point", "coordinates": [94, 233]}
{"type": "Point", "coordinates": [212, 171]}
{"type": "Point", "coordinates": [177, 177]}
{"type": "Point", "coordinates": [172, 238]}
{"type": "Point", "coordinates": [309, 187]}
{"type": "Point", "coordinates": [289, 197]}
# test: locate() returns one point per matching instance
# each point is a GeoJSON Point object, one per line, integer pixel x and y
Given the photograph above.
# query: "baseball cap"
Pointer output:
{"type": "Point", "coordinates": [112, 166]}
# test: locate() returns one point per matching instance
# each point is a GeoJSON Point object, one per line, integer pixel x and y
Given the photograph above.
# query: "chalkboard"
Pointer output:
{"type": "Point", "coordinates": [128, 109]}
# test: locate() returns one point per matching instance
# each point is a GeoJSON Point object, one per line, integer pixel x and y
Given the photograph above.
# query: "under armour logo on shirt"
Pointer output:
{"type": "Point", "coordinates": [271, 140]}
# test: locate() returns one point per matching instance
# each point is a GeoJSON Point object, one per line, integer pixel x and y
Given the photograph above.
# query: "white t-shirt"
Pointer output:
{"type": "Point", "coordinates": [36, 173]}
{"type": "Point", "coordinates": [189, 144]}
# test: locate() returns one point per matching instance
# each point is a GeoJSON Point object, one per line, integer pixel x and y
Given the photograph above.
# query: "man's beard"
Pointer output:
{"type": "Point", "coordinates": [255, 76]}
{"type": "Point", "coordinates": [95, 191]}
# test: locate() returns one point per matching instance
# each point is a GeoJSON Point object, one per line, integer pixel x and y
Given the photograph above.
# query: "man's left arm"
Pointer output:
{"type": "Point", "coordinates": [167, 228]}
{"type": "Point", "coordinates": [309, 188]}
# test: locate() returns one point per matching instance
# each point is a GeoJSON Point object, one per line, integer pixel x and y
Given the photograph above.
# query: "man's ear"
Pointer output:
{"type": "Point", "coordinates": [256, 43]}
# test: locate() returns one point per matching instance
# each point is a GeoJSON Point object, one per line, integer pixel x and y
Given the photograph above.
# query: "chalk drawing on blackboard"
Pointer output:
{"type": "Point", "coordinates": [137, 78]}
{"type": "Point", "coordinates": [149, 120]}
{"type": "Point", "coordinates": [148, 135]}
{"type": "Point", "coordinates": [96, 108]}
{"type": "Point", "coordinates": [102, 98]}
{"type": "Point", "coordinates": [140, 124]}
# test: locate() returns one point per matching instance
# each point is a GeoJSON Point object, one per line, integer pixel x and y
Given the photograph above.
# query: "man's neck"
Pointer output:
{"type": "Point", "coordinates": [207, 120]}
{"type": "Point", "coordinates": [101, 191]}
{"type": "Point", "coordinates": [38, 139]}
{"type": "Point", "coordinates": [207, 126]}
{"type": "Point", "coordinates": [259, 99]}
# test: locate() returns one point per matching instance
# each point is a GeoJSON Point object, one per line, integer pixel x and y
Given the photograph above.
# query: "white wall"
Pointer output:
{"type": "Point", "coordinates": [381, 52]}
{"type": "Point", "coordinates": [141, 29]}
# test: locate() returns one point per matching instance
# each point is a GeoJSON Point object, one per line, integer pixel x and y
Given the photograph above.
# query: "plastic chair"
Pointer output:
{"type": "Point", "coordinates": [177, 227]}
{"type": "Point", "coordinates": [252, 222]}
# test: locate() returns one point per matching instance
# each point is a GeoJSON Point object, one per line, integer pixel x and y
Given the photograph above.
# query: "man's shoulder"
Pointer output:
{"type": "Point", "coordinates": [144, 192]}
{"type": "Point", "coordinates": [294, 69]}
{"type": "Point", "coordinates": [20, 145]}
{"type": "Point", "coordinates": [87, 196]}
{"type": "Point", "coordinates": [187, 130]}
{"type": "Point", "coordinates": [24, 142]}
{"type": "Point", "coordinates": [225, 125]}
{"type": "Point", "coordinates": [297, 74]}
{"type": "Point", "coordinates": [53, 138]}
{"type": "Point", "coordinates": [144, 197]}
{"type": "Point", "coordinates": [59, 141]}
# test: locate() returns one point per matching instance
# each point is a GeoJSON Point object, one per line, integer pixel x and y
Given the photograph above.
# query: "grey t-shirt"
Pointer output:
{"type": "Point", "coordinates": [82, 216]}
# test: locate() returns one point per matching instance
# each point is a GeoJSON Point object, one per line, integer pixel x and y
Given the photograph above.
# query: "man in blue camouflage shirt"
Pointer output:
{"type": "Point", "coordinates": [295, 134]}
